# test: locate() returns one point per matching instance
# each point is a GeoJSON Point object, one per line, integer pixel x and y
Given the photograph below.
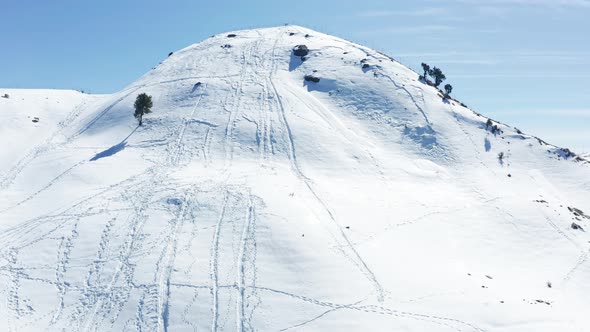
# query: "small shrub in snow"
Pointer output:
{"type": "Point", "coordinates": [493, 127]}
{"type": "Point", "coordinates": [311, 78]}
{"type": "Point", "coordinates": [5, 96]}
{"type": "Point", "coordinates": [448, 89]}
{"type": "Point", "coordinates": [577, 227]}
{"type": "Point", "coordinates": [426, 69]}
{"type": "Point", "coordinates": [577, 212]}
{"type": "Point", "coordinates": [231, 35]}
{"type": "Point", "coordinates": [567, 153]}
{"type": "Point", "coordinates": [438, 76]}
{"type": "Point", "coordinates": [501, 156]}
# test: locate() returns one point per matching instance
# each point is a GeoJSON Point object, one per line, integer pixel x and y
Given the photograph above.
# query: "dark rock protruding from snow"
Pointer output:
{"type": "Point", "coordinates": [577, 227]}
{"type": "Point", "coordinates": [300, 50]}
{"type": "Point", "coordinates": [311, 78]}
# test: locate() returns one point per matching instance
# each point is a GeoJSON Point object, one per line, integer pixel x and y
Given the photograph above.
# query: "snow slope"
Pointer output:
{"type": "Point", "coordinates": [53, 108]}
{"type": "Point", "coordinates": [259, 201]}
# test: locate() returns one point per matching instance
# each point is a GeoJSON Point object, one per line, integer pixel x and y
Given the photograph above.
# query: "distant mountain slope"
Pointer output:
{"type": "Point", "coordinates": [256, 199]}
{"type": "Point", "coordinates": [29, 116]}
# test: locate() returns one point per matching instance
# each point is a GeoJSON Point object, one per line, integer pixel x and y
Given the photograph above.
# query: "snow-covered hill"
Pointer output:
{"type": "Point", "coordinates": [257, 200]}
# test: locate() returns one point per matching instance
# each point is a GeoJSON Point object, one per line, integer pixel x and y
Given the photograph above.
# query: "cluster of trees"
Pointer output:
{"type": "Point", "coordinates": [437, 75]}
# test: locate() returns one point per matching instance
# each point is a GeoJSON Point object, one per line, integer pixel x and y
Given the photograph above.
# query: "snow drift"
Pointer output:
{"type": "Point", "coordinates": [253, 199]}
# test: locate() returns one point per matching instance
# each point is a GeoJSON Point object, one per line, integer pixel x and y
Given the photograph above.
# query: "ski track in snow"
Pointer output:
{"type": "Point", "coordinates": [246, 235]}
{"type": "Point", "coordinates": [214, 266]}
{"type": "Point", "coordinates": [166, 266]}
{"type": "Point", "coordinates": [295, 166]}
{"type": "Point", "coordinates": [49, 144]}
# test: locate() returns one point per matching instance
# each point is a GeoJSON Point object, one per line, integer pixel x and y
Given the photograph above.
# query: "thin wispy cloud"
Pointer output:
{"type": "Point", "coordinates": [565, 112]}
{"type": "Point", "coordinates": [417, 29]}
{"type": "Point", "coordinates": [488, 62]}
{"type": "Point", "coordinates": [545, 3]}
{"type": "Point", "coordinates": [567, 75]}
{"type": "Point", "coordinates": [515, 57]}
{"type": "Point", "coordinates": [432, 11]}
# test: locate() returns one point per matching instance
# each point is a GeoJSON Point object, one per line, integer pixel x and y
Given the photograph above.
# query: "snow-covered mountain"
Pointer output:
{"type": "Point", "coordinates": [253, 199]}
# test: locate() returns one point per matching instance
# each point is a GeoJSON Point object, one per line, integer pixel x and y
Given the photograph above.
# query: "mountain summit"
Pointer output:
{"type": "Point", "coordinates": [285, 180]}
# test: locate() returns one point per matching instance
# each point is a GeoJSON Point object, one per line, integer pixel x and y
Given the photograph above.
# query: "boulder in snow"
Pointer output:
{"type": "Point", "coordinates": [311, 78]}
{"type": "Point", "coordinates": [300, 50]}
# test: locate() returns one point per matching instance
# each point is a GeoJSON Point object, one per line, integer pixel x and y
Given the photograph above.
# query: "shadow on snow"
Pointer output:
{"type": "Point", "coordinates": [113, 149]}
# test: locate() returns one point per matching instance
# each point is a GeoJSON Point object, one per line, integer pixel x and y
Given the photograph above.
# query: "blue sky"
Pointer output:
{"type": "Point", "coordinates": [523, 62]}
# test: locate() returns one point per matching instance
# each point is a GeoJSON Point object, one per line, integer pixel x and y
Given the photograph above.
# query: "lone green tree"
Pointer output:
{"type": "Point", "coordinates": [438, 76]}
{"type": "Point", "coordinates": [143, 105]}
{"type": "Point", "coordinates": [426, 69]}
{"type": "Point", "coordinates": [448, 89]}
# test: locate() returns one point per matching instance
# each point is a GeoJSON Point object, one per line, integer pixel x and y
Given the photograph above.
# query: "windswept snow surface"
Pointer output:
{"type": "Point", "coordinates": [259, 201]}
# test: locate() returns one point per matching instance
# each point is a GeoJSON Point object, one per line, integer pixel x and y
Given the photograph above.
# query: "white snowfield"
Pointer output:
{"type": "Point", "coordinates": [257, 200]}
